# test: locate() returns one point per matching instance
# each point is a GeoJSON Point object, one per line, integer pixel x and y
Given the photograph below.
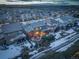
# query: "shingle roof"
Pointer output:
{"type": "Point", "coordinates": [11, 27]}
{"type": "Point", "coordinates": [17, 26]}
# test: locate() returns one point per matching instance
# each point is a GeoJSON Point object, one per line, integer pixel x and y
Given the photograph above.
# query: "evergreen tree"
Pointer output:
{"type": "Point", "coordinates": [25, 53]}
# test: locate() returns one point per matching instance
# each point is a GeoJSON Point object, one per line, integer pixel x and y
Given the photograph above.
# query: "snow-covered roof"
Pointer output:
{"type": "Point", "coordinates": [34, 24]}
{"type": "Point", "coordinates": [29, 26]}
{"type": "Point", "coordinates": [11, 27]}
{"type": "Point", "coordinates": [67, 19]}
{"type": "Point", "coordinates": [1, 36]}
{"type": "Point", "coordinates": [59, 20]}
{"type": "Point", "coordinates": [64, 19]}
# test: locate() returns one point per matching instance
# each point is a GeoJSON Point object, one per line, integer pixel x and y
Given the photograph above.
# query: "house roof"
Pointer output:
{"type": "Point", "coordinates": [8, 28]}
{"type": "Point", "coordinates": [11, 27]}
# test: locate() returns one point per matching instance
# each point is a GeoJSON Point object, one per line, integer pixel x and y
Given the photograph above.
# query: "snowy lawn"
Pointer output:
{"type": "Point", "coordinates": [60, 41]}
{"type": "Point", "coordinates": [14, 50]}
{"type": "Point", "coordinates": [66, 47]}
{"type": "Point", "coordinates": [10, 53]}
{"type": "Point", "coordinates": [70, 31]}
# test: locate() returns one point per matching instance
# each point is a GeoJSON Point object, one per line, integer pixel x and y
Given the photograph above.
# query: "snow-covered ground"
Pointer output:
{"type": "Point", "coordinates": [70, 31]}
{"type": "Point", "coordinates": [33, 52]}
{"type": "Point", "coordinates": [14, 50]}
{"type": "Point", "coordinates": [58, 35]}
{"type": "Point", "coordinates": [54, 45]}
{"type": "Point", "coordinates": [60, 41]}
{"type": "Point", "coordinates": [10, 53]}
{"type": "Point", "coordinates": [66, 47]}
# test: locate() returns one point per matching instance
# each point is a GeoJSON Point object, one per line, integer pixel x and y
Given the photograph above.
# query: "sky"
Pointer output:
{"type": "Point", "coordinates": [40, 0]}
{"type": "Point", "coordinates": [60, 0]}
{"type": "Point", "coordinates": [54, 1]}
